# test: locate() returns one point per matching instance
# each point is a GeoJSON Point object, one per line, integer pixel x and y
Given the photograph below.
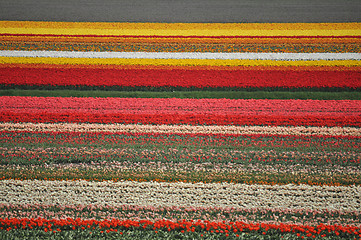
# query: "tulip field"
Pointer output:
{"type": "Point", "coordinates": [180, 130]}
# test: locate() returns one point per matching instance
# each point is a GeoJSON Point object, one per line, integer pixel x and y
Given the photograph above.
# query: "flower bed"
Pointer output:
{"type": "Point", "coordinates": [180, 167]}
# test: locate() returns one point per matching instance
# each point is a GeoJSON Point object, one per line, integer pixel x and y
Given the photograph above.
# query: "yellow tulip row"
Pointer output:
{"type": "Point", "coordinates": [182, 29]}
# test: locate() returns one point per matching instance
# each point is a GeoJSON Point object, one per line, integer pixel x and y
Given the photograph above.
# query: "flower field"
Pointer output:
{"type": "Point", "coordinates": [180, 131]}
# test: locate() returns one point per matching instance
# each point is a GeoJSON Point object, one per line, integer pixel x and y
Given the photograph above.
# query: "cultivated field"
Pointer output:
{"type": "Point", "coordinates": [180, 130]}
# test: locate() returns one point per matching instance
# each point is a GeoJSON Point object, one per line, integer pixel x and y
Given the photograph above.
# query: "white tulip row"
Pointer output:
{"type": "Point", "coordinates": [185, 55]}
{"type": "Point", "coordinates": [136, 128]}
{"type": "Point", "coordinates": [180, 194]}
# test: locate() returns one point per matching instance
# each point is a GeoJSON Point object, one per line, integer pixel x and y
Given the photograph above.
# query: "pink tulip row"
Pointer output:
{"type": "Point", "coordinates": [182, 106]}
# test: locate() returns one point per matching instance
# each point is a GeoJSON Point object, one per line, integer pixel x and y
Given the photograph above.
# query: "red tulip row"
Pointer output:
{"type": "Point", "coordinates": [179, 78]}
{"type": "Point", "coordinates": [158, 106]}
{"type": "Point", "coordinates": [191, 119]}
{"type": "Point", "coordinates": [190, 226]}
{"type": "Point", "coordinates": [182, 111]}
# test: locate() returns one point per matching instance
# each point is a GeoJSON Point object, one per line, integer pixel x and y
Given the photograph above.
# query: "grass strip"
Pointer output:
{"type": "Point", "coordinates": [187, 94]}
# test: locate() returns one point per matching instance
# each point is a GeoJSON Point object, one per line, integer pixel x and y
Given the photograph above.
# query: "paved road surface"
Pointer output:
{"type": "Point", "coordinates": [182, 10]}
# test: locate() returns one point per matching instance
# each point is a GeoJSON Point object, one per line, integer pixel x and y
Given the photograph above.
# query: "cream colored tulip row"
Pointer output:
{"type": "Point", "coordinates": [158, 194]}
{"type": "Point", "coordinates": [136, 128]}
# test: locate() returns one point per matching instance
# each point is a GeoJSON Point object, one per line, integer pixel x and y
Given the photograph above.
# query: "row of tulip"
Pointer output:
{"type": "Point", "coordinates": [31, 43]}
{"type": "Point", "coordinates": [185, 78]}
{"type": "Point", "coordinates": [199, 67]}
{"type": "Point", "coordinates": [181, 30]}
{"type": "Point", "coordinates": [182, 111]}
{"type": "Point", "coordinates": [30, 39]}
{"type": "Point", "coordinates": [261, 107]}
{"type": "Point", "coordinates": [166, 156]}
{"type": "Point", "coordinates": [167, 194]}
{"type": "Point", "coordinates": [174, 155]}
{"type": "Point", "coordinates": [281, 143]}
{"type": "Point", "coordinates": [182, 129]}
{"type": "Point", "coordinates": [191, 119]}
{"type": "Point", "coordinates": [162, 229]}
{"type": "Point", "coordinates": [178, 62]}
{"type": "Point", "coordinates": [214, 214]}
{"type": "Point", "coordinates": [200, 41]}
{"type": "Point", "coordinates": [186, 55]}
{"type": "Point", "coordinates": [192, 171]}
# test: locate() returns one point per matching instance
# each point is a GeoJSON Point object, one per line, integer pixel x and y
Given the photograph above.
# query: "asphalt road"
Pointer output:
{"type": "Point", "coordinates": [182, 10]}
